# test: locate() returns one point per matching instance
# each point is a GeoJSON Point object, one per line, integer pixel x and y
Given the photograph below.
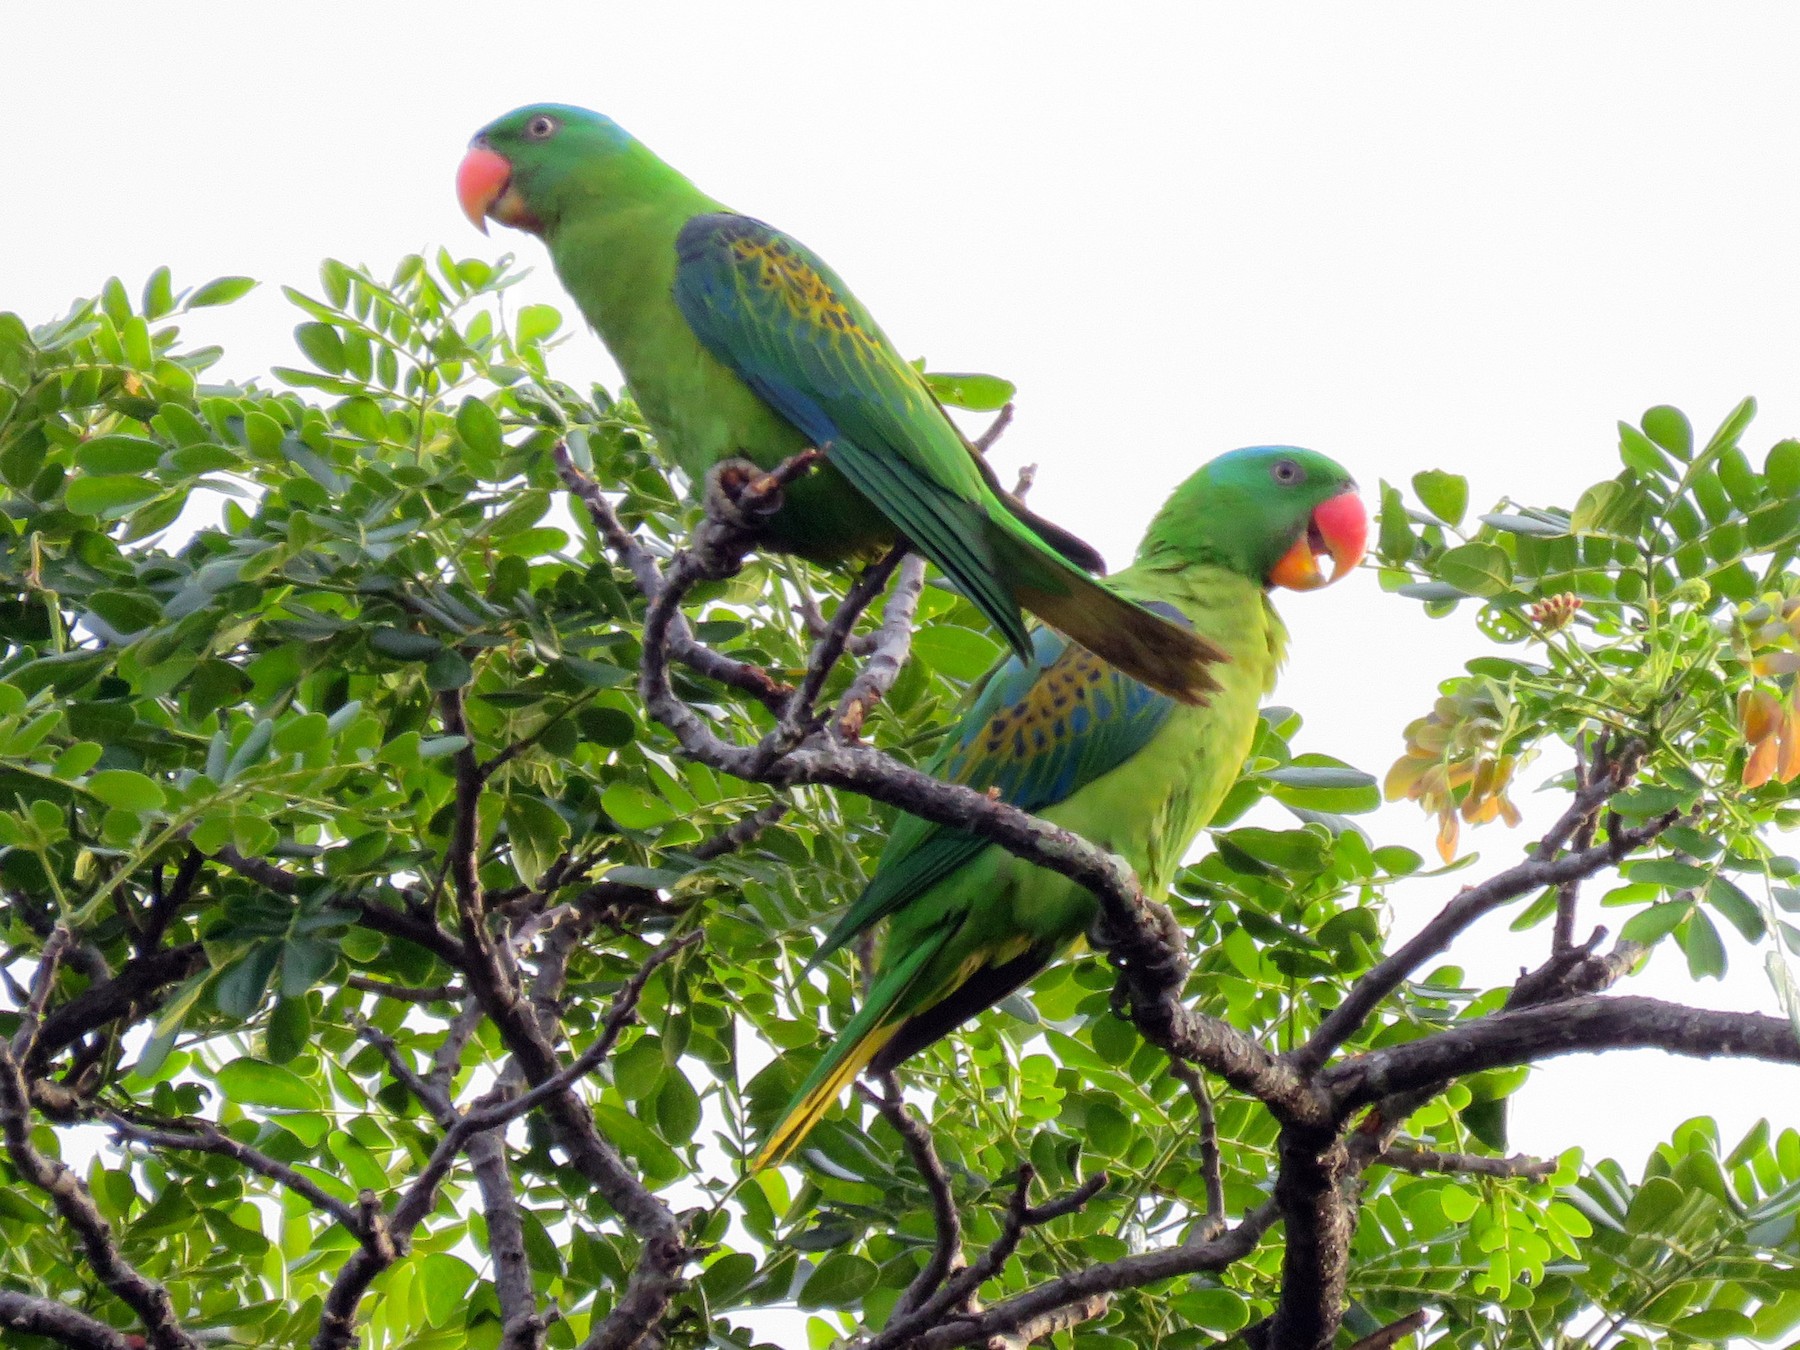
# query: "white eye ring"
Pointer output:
{"type": "Point", "coordinates": [1286, 471]}
{"type": "Point", "coordinates": [540, 128]}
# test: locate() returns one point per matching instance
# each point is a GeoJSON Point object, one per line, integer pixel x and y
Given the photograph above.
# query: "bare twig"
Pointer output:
{"type": "Point", "coordinates": [993, 432]}
{"type": "Point", "coordinates": [202, 1136]}
{"type": "Point", "coordinates": [946, 1251]}
{"type": "Point", "coordinates": [31, 1016]}
{"type": "Point", "coordinates": [429, 993]}
{"type": "Point", "coordinates": [1575, 970]}
{"type": "Point", "coordinates": [1080, 1288]}
{"type": "Point", "coordinates": [1393, 1333]}
{"type": "Point", "coordinates": [797, 717]}
{"type": "Point", "coordinates": [1212, 1223]}
{"type": "Point", "coordinates": [1426, 1160]}
{"type": "Point", "coordinates": [954, 1292]}
{"type": "Point", "coordinates": [888, 649]}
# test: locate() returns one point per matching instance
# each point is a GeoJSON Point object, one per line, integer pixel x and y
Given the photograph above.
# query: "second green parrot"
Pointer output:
{"type": "Point", "coordinates": [1081, 744]}
{"type": "Point", "coordinates": [737, 341]}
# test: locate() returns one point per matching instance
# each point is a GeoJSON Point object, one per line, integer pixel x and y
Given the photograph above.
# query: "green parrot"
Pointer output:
{"type": "Point", "coordinates": [737, 341]}
{"type": "Point", "coordinates": [1081, 744]}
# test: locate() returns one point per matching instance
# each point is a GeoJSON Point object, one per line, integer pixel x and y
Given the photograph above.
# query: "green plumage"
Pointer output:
{"type": "Point", "coordinates": [1088, 748]}
{"type": "Point", "coordinates": [736, 341]}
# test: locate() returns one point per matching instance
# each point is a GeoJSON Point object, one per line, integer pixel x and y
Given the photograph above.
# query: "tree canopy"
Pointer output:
{"type": "Point", "coordinates": [416, 818]}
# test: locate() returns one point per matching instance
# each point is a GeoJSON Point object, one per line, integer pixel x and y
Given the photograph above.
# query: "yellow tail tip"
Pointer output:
{"type": "Point", "coordinates": [811, 1108]}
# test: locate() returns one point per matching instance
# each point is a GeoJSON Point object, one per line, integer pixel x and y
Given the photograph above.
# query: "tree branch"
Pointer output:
{"type": "Point", "coordinates": [946, 1252]}
{"type": "Point", "coordinates": [954, 1293]}
{"type": "Point", "coordinates": [205, 1137]}
{"type": "Point", "coordinates": [1543, 869]}
{"type": "Point", "coordinates": [144, 1296]}
{"type": "Point", "coordinates": [1424, 1161]}
{"type": "Point", "coordinates": [1020, 1314]}
{"type": "Point", "coordinates": [55, 1321]}
{"type": "Point", "coordinates": [1586, 1023]}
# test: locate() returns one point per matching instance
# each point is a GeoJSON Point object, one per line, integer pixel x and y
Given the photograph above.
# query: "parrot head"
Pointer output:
{"type": "Point", "coordinates": [1270, 512]}
{"type": "Point", "coordinates": [521, 168]}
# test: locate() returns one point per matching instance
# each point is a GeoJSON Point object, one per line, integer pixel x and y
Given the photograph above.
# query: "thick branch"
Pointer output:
{"type": "Point", "coordinates": [1543, 869]}
{"type": "Point", "coordinates": [129, 993]}
{"type": "Point", "coordinates": [1572, 1026]}
{"type": "Point", "coordinates": [59, 1322]}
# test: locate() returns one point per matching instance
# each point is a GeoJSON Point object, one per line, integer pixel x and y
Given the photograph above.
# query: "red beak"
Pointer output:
{"type": "Point", "coordinates": [1338, 528]}
{"type": "Point", "coordinates": [480, 181]}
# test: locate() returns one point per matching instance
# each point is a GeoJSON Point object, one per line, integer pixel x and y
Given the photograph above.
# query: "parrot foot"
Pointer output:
{"type": "Point", "coordinates": [741, 494]}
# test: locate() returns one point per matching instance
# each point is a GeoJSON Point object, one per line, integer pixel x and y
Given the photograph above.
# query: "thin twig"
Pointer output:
{"type": "Point", "coordinates": [946, 1250]}
{"type": "Point", "coordinates": [202, 1136]}
{"type": "Point", "coordinates": [31, 1016]}
{"type": "Point", "coordinates": [1212, 1223]}
{"type": "Point", "coordinates": [955, 1292]}
{"type": "Point", "coordinates": [1423, 1161]}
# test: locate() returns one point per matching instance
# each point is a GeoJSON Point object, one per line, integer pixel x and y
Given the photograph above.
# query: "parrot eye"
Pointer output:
{"type": "Point", "coordinates": [540, 128]}
{"type": "Point", "coordinates": [1287, 472]}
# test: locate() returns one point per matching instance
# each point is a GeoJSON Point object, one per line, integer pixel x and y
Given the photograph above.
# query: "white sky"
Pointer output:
{"type": "Point", "coordinates": [1408, 235]}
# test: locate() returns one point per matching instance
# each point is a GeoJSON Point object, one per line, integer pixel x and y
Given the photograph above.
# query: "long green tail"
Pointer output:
{"type": "Point", "coordinates": [872, 1027]}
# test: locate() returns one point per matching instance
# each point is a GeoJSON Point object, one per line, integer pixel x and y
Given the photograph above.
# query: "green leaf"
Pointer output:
{"type": "Point", "coordinates": [1445, 495]}
{"type": "Point", "coordinates": [1641, 455]}
{"type": "Point", "coordinates": [478, 427]}
{"type": "Point", "coordinates": [1668, 873]}
{"type": "Point", "coordinates": [220, 291]}
{"type": "Point", "coordinates": [404, 645]}
{"type": "Point", "coordinates": [1649, 926]}
{"type": "Point", "coordinates": [117, 454]}
{"type": "Point", "coordinates": [976, 393]}
{"type": "Point", "coordinates": [1669, 428]}
{"type": "Point", "coordinates": [323, 347]}
{"type": "Point", "coordinates": [158, 294]}
{"type": "Point", "coordinates": [1714, 1324]}
{"type": "Point", "coordinates": [958, 653]}
{"type": "Point", "coordinates": [444, 1279]}
{"type": "Point", "coordinates": [254, 1082]}
{"type": "Point", "coordinates": [1737, 907]}
{"type": "Point", "coordinates": [838, 1281]}
{"type": "Point", "coordinates": [109, 495]}
{"type": "Point", "coordinates": [1476, 569]}
{"type": "Point", "coordinates": [127, 790]}
{"type": "Point", "coordinates": [449, 669]}
{"type": "Point", "coordinates": [1782, 469]}
{"type": "Point", "coordinates": [1705, 953]}
{"type": "Point", "coordinates": [537, 833]}
{"type": "Point", "coordinates": [635, 807]}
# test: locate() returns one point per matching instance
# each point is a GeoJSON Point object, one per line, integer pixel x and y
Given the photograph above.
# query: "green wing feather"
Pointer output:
{"type": "Point", "coordinates": [1037, 733]}
{"type": "Point", "coordinates": [775, 314]}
